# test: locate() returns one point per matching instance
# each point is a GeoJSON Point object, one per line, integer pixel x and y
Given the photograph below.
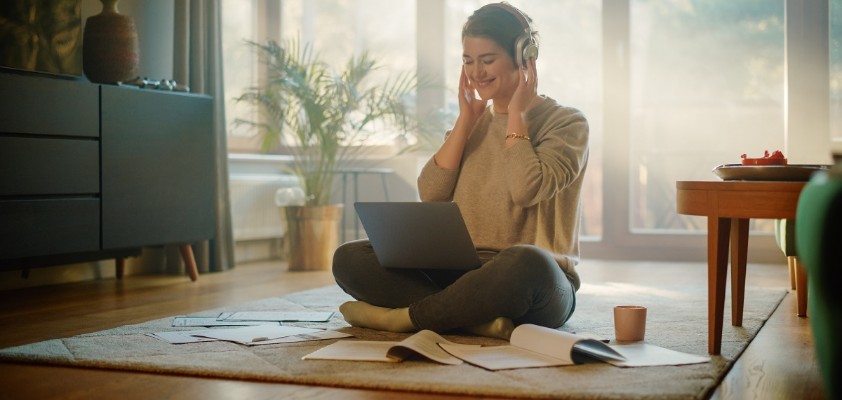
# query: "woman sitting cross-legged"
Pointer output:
{"type": "Point", "coordinates": [515, 168]}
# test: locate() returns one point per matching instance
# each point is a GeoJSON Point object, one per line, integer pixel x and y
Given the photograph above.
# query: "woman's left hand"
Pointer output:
{"type": "Point", "coordinates": [526, 93]}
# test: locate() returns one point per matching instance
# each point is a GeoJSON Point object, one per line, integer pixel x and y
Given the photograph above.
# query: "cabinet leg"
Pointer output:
{"type": "Point", "coordinates": [119, 267]}
{"type": "Point", "coordinates": [189, 261]}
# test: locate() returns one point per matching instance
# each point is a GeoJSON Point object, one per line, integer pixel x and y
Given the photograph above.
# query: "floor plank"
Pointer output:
{"type": "Point", "coordinates": [779, 363]}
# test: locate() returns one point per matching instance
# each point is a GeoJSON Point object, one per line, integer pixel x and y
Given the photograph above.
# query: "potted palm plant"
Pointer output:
{"type": "Point", "coordinates": [324, 120]}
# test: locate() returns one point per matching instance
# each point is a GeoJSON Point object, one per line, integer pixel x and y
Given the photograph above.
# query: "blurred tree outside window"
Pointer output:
{"type": "Point", "coordinates": [707, 85]}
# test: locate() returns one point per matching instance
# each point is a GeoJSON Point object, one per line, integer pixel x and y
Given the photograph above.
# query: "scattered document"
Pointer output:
{"type": "Point", "coordinates": [647, 355]}
{"type": "Point", "coordinates": [185, 320]}
{"type": "Point", "coordinates": [253, 328]}
{"type": "Point", "coordinates": [179, 337]}
{"type": "Point", "coordinates": [425, 343]}
{"type": "Point", "coordinates": [304, 337]}
{"type": "Point", "coordinates": [252, 334]}
{"type": "Point", "coordinates": [248, 336]}
{"type": "Point", "coordinates": [279, 316]}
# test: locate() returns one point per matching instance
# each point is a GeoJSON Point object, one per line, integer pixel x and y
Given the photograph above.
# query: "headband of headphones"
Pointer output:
{"type": "Point", "coordinates": [524, 22]}
{"type": "Point", "coordinates": [525, 46]}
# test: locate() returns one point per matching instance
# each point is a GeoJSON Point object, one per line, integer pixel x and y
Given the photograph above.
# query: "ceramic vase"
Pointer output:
{"type": "Point", "coordinates": [818, 236]}
{"type": "Point", "coordinates": [312, 236]}
{"type": "Point", "coordinates": [110, 51]}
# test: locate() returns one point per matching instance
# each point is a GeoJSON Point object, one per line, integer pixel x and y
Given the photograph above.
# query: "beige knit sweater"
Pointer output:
{"type": "Point", "coordinates": [528, 193]}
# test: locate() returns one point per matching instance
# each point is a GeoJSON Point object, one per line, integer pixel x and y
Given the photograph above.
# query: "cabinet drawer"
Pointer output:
{"type": "Point", "coordinates": [46, 227]}
{"type": "Point", "coordinates": [45, 106]}
{"type": "Point", "coordinates": [45, 166]}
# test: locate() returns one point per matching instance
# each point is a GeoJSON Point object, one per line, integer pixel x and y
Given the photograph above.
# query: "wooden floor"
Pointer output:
{"type": "Point", "coordinates": [778, 364]}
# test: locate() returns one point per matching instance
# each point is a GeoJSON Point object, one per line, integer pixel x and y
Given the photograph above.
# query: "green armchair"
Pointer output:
{"type": "Point", "coordinates": [818, 236]}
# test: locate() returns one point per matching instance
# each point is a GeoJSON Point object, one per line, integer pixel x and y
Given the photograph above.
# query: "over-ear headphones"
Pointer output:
{"type": "Point", "coordinates": [525, 46]}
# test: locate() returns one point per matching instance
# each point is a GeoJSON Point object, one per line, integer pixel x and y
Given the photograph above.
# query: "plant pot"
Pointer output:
{"type": "Point", "coordinates": [312, 236]}
{"type": "Point", "coordinates": [817, 234]}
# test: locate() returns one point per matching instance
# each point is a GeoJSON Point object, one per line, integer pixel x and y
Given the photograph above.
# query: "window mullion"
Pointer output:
{"type": "Point", "coordinates": [616, 102]}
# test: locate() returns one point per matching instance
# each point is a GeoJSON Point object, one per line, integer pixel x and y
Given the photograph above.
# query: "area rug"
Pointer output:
{"type": "Point", "coordinates": [677, 320]}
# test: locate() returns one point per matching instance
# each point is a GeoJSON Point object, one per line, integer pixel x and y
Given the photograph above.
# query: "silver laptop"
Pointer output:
{"type": "Point", "coordinates": [429, 235]}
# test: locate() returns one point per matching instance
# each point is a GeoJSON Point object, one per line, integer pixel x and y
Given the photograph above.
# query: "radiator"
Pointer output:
{"type": "Point", "coordinates": [254, 215]}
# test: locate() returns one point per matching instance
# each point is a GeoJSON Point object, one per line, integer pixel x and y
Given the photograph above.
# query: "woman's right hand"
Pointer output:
{"type": "Point", "coordinates": [449, 155]}
{"type": "Point", "coordinates": [470, 107]}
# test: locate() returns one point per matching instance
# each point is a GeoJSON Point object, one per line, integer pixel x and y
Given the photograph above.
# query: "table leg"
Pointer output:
{"type": "Point", "coordinates": [345, 202]}
{"type": "Point", "coordinates": [356, 199]}
{"type": "Point", "coordinates": [385, 187]}
{"type": "Point", "coordinates": [739, 248]}
{"type": "Point", "coordinates": [718, 230]}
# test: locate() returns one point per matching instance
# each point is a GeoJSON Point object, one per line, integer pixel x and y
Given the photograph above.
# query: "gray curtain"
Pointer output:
{"type": "Point", "coordinates": [198, 63]}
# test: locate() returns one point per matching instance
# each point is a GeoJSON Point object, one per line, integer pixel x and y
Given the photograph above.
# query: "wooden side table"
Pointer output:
{"type": "Point", "coordinates": [729, 205]}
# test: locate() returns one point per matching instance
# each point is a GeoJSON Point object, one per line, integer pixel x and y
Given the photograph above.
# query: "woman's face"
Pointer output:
{"type": "Point", "coordinates": [489, 69]}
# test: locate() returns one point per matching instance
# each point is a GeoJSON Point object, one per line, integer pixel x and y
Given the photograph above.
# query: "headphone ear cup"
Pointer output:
{"type": "Point", "coordinates": [520, 50]}
{"type": "Point", "coordinates": [530, 51]}
{"type": "Point", "coordinates": [525, 49]}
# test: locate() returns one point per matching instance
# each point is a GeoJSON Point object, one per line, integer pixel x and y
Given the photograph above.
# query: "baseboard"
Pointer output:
{"type": "Point", "coordinates": [55, 275]}
{"type": "Point", "coordinates": [258, 250]}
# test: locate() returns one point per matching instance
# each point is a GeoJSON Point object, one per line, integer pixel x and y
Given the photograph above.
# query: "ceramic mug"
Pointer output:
{"type": "Point", "coordinates": [629, 323]}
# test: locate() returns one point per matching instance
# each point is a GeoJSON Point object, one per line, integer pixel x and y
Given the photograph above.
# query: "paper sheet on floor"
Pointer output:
{"type": "Point", "coordinates": [188, 320]}
{"type": "Point", "coordinates": [252, 334]}
{"type": "Point", "coordinates": [244, 335]}
{"type": "Point", "coordinates": [285, 316]}
{"type": "Point", "coordinates": [304, 337]}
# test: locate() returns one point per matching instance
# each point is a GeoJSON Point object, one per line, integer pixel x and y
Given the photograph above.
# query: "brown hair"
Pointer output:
{"type": "Point", "coordinates": [494, 22]}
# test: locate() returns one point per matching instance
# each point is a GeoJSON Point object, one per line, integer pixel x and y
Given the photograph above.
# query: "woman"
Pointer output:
{"type": "Point", "coordinates": [515, 168]}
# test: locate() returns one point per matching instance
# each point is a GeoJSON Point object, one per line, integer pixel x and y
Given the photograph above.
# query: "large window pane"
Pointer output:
{"type": "Point", "coordinates": [569, 71]}
{"type": "Point", "coordinates": [337, 30]}
{"type": "Point", "coordinates": [239, 23]}
{"type": "Point", "coordinates": [340, 29]}
{"type": "Point", "coordinates": [706, 86]}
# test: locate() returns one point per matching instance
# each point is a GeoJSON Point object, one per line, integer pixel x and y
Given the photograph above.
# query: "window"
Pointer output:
{"type": "Point", "coordinates": [239, 23]}
{"type": "Point", "coordinates": [707, 84]}
{"type": "Point", "coordinates": [836, 71]}
{"type": "Point", "coordinates": [337, 29]}
{"type": "Point", "coordinates": [670, 89]}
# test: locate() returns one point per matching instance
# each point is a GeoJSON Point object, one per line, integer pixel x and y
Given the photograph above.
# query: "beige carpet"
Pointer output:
{"type": "Point", "coordinates": [677, 320]}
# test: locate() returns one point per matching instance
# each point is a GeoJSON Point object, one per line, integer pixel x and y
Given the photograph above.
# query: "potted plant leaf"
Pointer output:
{"type": "Point", "coordinates": [324, 120]}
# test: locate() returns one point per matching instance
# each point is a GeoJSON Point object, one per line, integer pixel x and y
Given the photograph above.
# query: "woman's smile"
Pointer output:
{"type": "Point", "coordinates": [490, 70]}
{"type": "Point", "coordinates": [482, 83]}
